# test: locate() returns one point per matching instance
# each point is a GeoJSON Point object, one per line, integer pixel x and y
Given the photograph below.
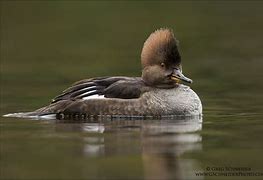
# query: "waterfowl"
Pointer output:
{"type": "Point", "coordinates": [158, 92]}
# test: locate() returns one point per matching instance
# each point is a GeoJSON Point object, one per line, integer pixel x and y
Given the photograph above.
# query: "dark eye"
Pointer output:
{"type": "Point", "coordinates": [162, 64]}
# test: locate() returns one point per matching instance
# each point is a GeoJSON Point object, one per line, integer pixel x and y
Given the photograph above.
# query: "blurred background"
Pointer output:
{"type": "Point", "coordinates": [48, 45]}
{"type": "Point", "coordinates": [45, 46]}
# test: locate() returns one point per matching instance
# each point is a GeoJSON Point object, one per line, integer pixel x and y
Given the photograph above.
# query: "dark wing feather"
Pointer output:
{"type": "Point", "coordinates": [125, 89]}
{"type": "Point", "coordinates": [110, 87]}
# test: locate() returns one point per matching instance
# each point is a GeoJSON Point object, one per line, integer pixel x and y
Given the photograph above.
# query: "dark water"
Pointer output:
{"type": "Point", "coordinates": [45, 46]}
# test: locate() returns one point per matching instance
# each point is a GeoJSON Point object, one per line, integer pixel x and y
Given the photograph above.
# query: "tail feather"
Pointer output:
{"type": "Point", "coordinates": [31, 115]}
{"type": "Point", "coordinates": [47, 112]}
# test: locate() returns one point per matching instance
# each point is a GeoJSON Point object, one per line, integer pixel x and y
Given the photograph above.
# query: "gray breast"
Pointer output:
{"type": "Point", "coordinates": [181, 100]}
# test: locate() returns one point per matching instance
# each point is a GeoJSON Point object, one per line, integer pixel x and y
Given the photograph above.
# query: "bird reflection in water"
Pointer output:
{"type": "Point", "coordinates": [161, 143]}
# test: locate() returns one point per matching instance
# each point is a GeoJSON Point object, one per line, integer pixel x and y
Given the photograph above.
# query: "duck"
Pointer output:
{"type": "Point", "coordinates": [158, 92]}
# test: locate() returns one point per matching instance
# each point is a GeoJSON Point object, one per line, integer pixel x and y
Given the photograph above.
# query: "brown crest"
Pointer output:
{"type": "Point", "coordinates": [160, 47]}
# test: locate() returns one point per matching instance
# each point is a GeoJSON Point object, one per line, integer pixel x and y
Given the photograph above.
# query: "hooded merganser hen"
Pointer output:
{"type": "Point", "coordinates": [157, 92]}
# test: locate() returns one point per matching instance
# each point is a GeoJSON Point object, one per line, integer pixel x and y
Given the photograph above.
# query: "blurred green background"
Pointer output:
{"type": "Point", "coordinates": [47, 45]}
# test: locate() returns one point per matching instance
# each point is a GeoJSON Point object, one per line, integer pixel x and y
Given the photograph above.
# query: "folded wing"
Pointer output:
{"type": "Point", "coordinates": [108, 87]}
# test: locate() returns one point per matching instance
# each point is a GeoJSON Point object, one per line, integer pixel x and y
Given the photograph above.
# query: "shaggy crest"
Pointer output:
{"type": "Point", "coordinates": [161, 46]}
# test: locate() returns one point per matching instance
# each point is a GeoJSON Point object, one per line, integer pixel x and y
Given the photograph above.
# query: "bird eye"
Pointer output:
{"type": "Point", "coordinates": [162, 64]}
